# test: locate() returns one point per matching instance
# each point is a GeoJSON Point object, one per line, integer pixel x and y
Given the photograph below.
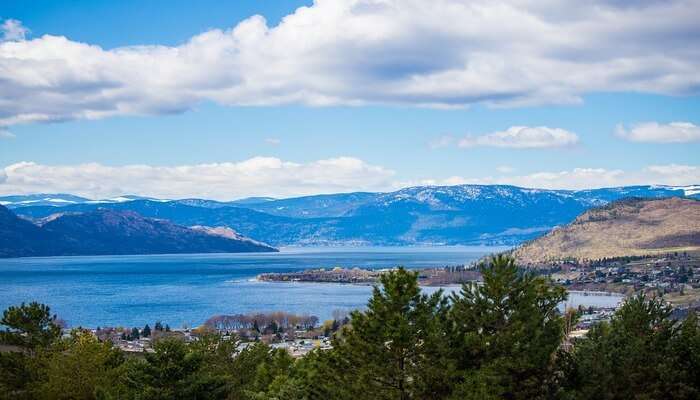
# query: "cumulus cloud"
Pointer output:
{"type": "Point", "coordinates": [675, 132]}
{"type": "Point", "coordinates": [13, 30]}
{"type": "Point", "coordinates": [257, 176]}
{"type": "Point", "coordinates": [523, 137]}
{"type": "Point", "coordinates": [442, 53]}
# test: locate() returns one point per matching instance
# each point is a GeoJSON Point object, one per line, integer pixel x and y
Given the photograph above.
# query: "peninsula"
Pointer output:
{"type": "Point", "coordinates": [437, 276]}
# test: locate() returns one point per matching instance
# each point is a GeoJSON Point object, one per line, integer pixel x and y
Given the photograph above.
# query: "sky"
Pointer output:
{"type": "Point", "coordinates": [226, 100]}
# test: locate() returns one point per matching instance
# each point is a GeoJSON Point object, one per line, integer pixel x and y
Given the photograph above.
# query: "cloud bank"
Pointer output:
{"type": "Point", "coordinates": [583, 178]}
{"type": "Point", "coordinates": [352, 52]}
{"type": "Point", "coordinates": [653, 132]}
{"type": "Point", "coordinates": [267, 176]}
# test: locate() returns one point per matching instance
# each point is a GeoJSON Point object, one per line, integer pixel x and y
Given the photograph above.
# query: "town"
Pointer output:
{"type": "Point", "coordinates": [297, 334]}
{"type": "Point", "coordinates": [674, 276]}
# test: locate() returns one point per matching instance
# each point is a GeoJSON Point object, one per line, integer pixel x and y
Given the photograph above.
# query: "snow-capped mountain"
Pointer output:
{"type": "Point", "coordinates": [61, 199]}
{"type": "Point", "coordinates": [462, 214]}
{"type": "Point", "coordinates": [40, 200]}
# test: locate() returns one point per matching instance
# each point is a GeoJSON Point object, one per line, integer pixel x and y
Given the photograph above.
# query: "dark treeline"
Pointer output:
{"type": "Point", "coordinates": [504, 339]}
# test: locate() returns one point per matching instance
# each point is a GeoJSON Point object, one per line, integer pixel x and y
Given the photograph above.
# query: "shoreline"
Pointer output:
{"type": "Point", "coordinates": [592, 293]}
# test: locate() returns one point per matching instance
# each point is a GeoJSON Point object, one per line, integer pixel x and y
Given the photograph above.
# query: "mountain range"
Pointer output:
{"type": "Point", "coordinates": [435, 215]}
{"type": "Point", "coordinates": [629, 227]}
{"type": "Point", "coordinates": [103, 231]}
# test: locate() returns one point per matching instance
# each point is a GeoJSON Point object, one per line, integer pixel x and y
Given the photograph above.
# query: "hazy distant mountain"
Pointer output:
{"type": "Point", "coordinates": [463, 214]}
{"type": "Point", "coordinates": [623, 228]}
{"type": "Point", "coordinates": [111, 232]}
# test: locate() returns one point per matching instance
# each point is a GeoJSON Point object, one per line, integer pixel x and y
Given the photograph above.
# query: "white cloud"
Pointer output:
{"type": "Point", "coordinates": [267, 176]}
{"type": "Point", "coordinates": [224, 181]}
{"type": "Point", "coordinates": [577, 178]}
{"type": "Point", "coordinates": [442, 53]}
{"type": "Point", "coordinates": [523, 137]}
{"type": "Point", "coordinates": [675, 132]}
{"type": "Point", "coordinates": [581, 178]}
{"type": "Point", "coordinates": [13, 30]}
{"type": "Point", "coordinates": [273, 141]}
{"type": "Point", "coordinates": [675, 174]}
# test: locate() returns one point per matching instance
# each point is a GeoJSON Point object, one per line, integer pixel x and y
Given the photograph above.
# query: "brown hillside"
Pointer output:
{"type": "Point", "coordinates": [624, 228]}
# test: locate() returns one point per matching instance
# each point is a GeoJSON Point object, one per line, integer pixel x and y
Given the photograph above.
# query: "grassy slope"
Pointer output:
{"type": "Point", "coordinates": [624, 228]}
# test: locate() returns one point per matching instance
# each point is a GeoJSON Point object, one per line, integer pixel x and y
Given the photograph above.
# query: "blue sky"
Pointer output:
{"type": "Point", "coordinates": [374, 111]}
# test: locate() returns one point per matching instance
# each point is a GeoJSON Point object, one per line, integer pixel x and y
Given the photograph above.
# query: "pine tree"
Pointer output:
{"type": "Point", "coordinates": [641, 353]}
{"type": "Point", "coordinates": [392, 349]}
{"type": "Point", "coordinates": [505, 332]}
{"type": "Point", "coordinates": [146, 332]}
{"type": "Point", "coordinates": [170, 372]}
{"type": "Point", "coordinates": [29, 326]}
{"type": "Point", "coordinates": [31, 329]}
{"type": "Point", "coordinates": [78, 367]}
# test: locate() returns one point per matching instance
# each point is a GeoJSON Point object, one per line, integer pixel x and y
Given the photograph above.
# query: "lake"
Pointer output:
{"type": "Point", "coordinates": [184, 290]}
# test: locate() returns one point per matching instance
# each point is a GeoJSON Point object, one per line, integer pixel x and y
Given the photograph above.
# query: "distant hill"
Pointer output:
{"type": "Point", "coordinates": [434, 215]}
{"type": "Point", "coordinates": [21, 238]}
{"type": "Point", "coordinates": [319, 206]}
{"type": "Point", "coordinates": [105, 231]}
{"type": "Point", "coordinates": [623, 228]}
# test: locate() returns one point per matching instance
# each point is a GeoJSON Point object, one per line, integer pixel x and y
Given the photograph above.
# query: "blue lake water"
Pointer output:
{"type": "Point", "coordinates": [184, 290]}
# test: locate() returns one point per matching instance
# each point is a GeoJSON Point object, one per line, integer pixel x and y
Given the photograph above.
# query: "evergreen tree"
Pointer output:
{"type": "Point", "coordinates": [311, 377]}
{"type": "Point", "coordinates": [391, 349]}
{"type": "Point", "coordinates": [78, 367]}
{"type": "Point", "coordinates": [134, 333]}
{"type": "Point", "coordinates": [158, 326]}
{"type": "Point", "coordinates": [172, 371]}
{"type": "Point", "coordinates": [146, 332]}
{"type": "Point", "coordinates": [29, 330]}
{"type": "Point", "coordinates": [640, 354]}
{"type": "Point", "coordinates": [29, 326]}
{"type": "Point", "coordinates": [254, 369]}
{"type": "Point", "coordinates": [505, 332]}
